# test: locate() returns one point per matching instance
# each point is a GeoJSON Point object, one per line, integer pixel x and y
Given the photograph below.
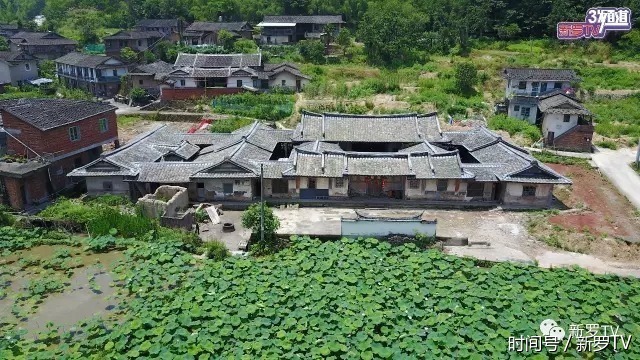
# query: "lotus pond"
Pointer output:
{"type": "Point", "coordinates": [348, 299]}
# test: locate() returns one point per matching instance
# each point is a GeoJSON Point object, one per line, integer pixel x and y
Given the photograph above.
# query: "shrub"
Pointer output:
{"type": "Point", "coordinates": [607, 144]}
{"type": "Point", "coordinates": [190, 241]}
{"type": "Point", "coordinates": [110, 200]}
{"type": "Point", "coordinates": [466, 77]}
{"type": "Point", "coordinates": [126, 225]}
{"type": "Point", "coordinates": [216, 250]}
{"type": "Point", "coordinates": [6, 218]}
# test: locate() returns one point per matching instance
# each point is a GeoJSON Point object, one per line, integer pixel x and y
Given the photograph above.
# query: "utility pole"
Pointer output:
{"type": "Point", "coordinates": [638, 156]}
{"type": "Point", "coordinates": [262, 203]}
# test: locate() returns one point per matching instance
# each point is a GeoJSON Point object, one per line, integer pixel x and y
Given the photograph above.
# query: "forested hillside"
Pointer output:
{"type": "Point", "coordinates": [404, 27]}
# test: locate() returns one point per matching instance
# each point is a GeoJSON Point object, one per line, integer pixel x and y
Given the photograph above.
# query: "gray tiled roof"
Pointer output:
{"type": "Point", "coordinates": [85, 60]}
{"type": "Point", "coordinates": [47, 114]}
{"type": "Point", "coordinates": [134, 35]}
{"type": "Point", "coordinates": [158, 67]}
{"type": "Point", "coordinates": [246, 148]}
{"type": "Point", "coordinates": [15, 56]}
{"type": "Point", "coordinates": [304, 19]}
{"type": "Point", "coordinates": [157, 23]}
{"type": "Point", "coordinates": [561, 104]}
{"type": "Point", "coordinates": [473, 139]}
{"type": "Point", "coordinates": [367, 128]}
{"type": "Point", "coordinates": [41, 38]}
{"type": "Point", "coordinates": [218, 60]}
{"type": "Point", "coordinates": [540, 74]}
{"type": "Point", "coordinates": [275, 169]}
{"type": "Point", "coordinates": [207, 26]}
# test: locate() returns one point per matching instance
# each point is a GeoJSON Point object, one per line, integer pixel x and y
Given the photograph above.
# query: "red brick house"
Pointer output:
{"type": "Point", "coordinates": [46, 139]}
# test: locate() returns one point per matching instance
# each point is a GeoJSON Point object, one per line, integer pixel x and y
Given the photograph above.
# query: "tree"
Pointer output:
{"type": "Point", "coordinates": [226, 39]}
{"type": "Point", "coordinates": [128, 55]}
{"type": "Point", "coordinates": [312, 51]}
{"type": "Point", "coordinates": [466, 76]}
{"type": "Point", "coordinates": [149, 57]}
{"type": "Point", "coordinates": [245, 46]}
{"type": "Point", "coordinates": [251, 220]}
{"type": "Point", "coordinates": [388, 30]}
{"type": "Point", "coordinates": [4, 44]}
{"type": "Point", "coordinates": [47, 69]}
{"type": "Point", "coordinates": [344, 39]}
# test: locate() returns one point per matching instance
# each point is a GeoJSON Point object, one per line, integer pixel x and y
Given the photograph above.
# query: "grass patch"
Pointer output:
{"type": "Point", "coordinates": [229, 125]}
{"type": "Point", "coordinates": [551, 158]}
{"type": "Point", "coordinates": [607, 144]}
{"type": "Point", "coordinates": [515, 126]}
{"type": "Point", "coordinates": [617, 117]}
{"type": "Point", "coordinates": [128, 120]}
{"type": "Point", "coordinates": [608, 78]}
{"type": "Point", "coordinates": [270, 107]}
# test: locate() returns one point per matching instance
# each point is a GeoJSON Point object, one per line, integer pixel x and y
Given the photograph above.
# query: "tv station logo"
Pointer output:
{"type": "Point", "coordinates": [596, 24]}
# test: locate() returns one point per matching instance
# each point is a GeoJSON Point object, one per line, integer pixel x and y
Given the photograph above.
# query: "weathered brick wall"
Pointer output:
{"type": "Point", "coordinates": [35, 186]}
{"type": "Point", "coordinates": [196, 93]}
{"type": "Point", "coordinates": [56, 141]}
{"type": "Point", "coordinates": [577, 139]}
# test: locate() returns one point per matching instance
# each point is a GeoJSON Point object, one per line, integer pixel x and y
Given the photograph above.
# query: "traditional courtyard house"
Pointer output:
{"type": "Point", "coordinates": [277, 30]}
{"type": "Point", "coordinates": [566, 124]}
{"type": "Point", "coordinates": [17, 68]}
{"type": "Point", "coordinates": [197, 75]}
{"type": "Point", "coordinates": [525, 85]}
{"type": "Point", "coordinates": [42, 45]}
{"type": "Point", "coordinates": [47, 138]}
{"type": "Point", "coordinates": [150, 77]}
{"type": "Point", "coordinates": [206, 33]}
{"type": "Point", "coordinates": [8, 30]}
{"type": "Point", "coordinates": [169, 28]}
{"type": "Point", "coordinates": [97, 74]}
{"type": "Point", "coordinates": [404, 157]}
{"type": "Point", "coordinates": [136, 40]}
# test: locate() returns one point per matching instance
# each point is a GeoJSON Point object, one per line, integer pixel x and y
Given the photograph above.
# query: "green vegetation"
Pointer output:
{"type": "Point", "coordinates": [100, 218]}
{"type": "Point", "coordinates": [515, 126]}
{"type": "Point", "coordinates": [608, 78]}
{"type": "Point", "coordinates": [128, 120]}
{"type": "Point", "coordinates": [617, 117]}
{"type": "Point", "coordinates": [466, 77]}
{"type": "Point", "coordinates": [551, 158]}
{"type": "Point", "coordinates": [607, 144]}
{"type": "Point", "coordinates": [251, 220]}
{"type": "Point", "coordinates": [271, 107]}
{"type": "Point", "coordinates": [229, 125]}
{"type": "Point", "coordinates": [216, 250]}
{"type": "Point", "coordinates": [344, 299]}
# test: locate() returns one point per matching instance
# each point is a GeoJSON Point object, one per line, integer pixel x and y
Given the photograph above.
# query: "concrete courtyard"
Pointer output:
{"type": "Point", "coordinates": [494, 235]}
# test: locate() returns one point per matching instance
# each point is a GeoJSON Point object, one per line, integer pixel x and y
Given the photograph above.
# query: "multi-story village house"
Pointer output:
{"type": "Point", "coordinates": [97, 74]}
{"type": "Point", "coordinates": [42, 45]}
{"type": "Point", "coordinates": [287, 29]}
{"type": "Point", "coordinates": [136, 40]}
{"type": "Point", "coordinates": [206, 33]}
{"type": "Point", "coordinates": [545, 97]}
{"type": "Point", "coordinates": [48, 138]}
{"type": "Point", "coordinates": [169, 28]}
{"type": "Point", "coordinates": [197, 75]}
{"type": "Point", "coordinates": [8, 30]}
{"type": "Point", "coordinates": [402, 157]}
